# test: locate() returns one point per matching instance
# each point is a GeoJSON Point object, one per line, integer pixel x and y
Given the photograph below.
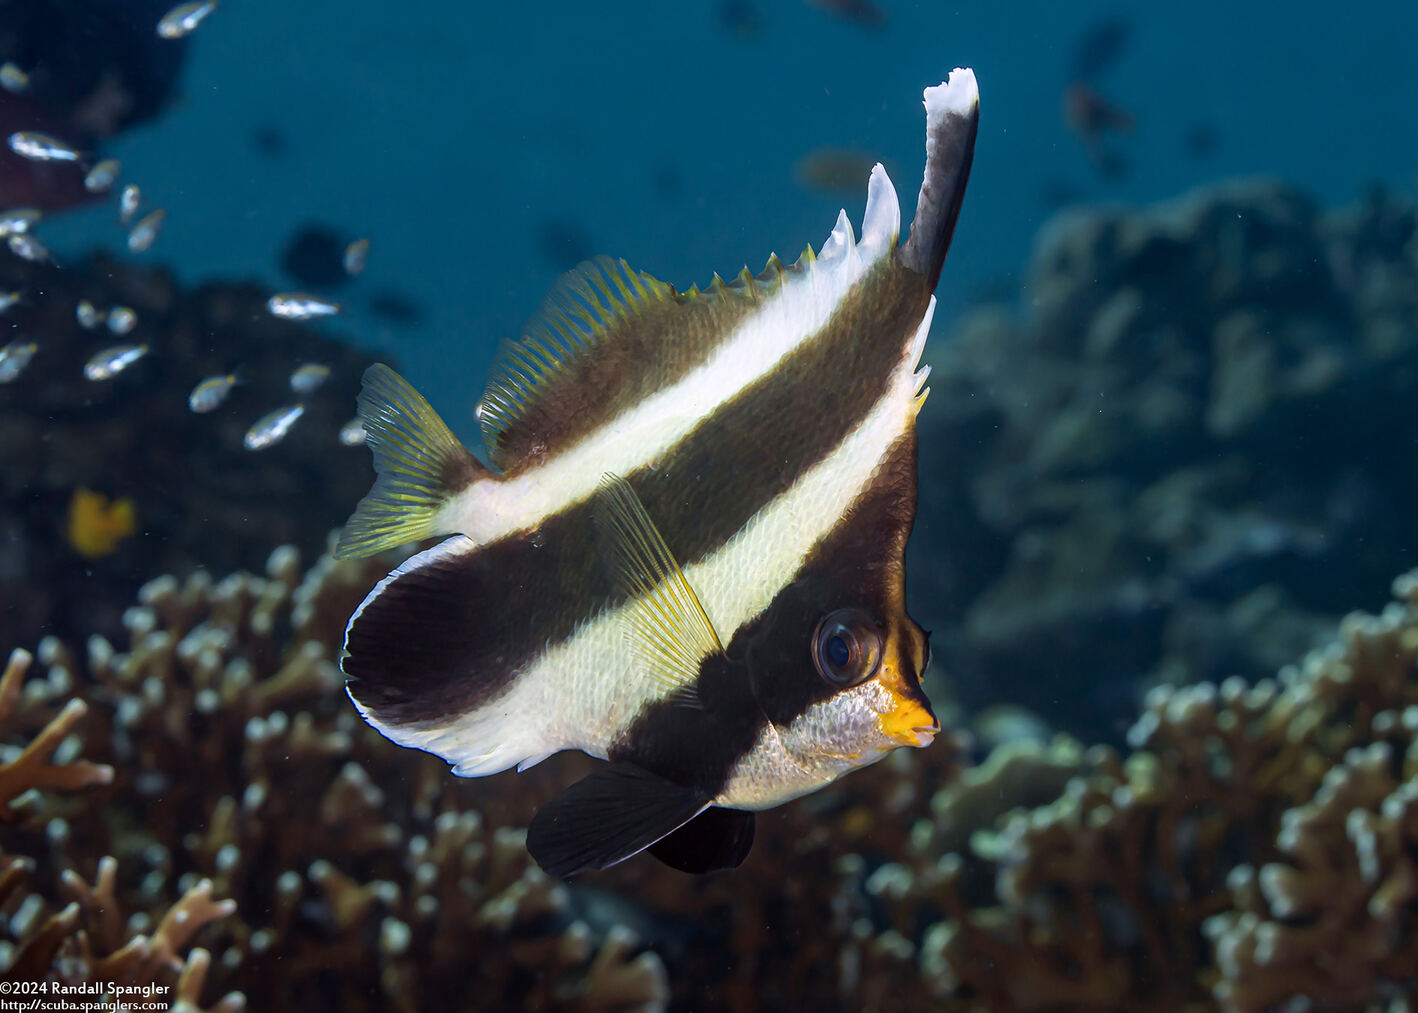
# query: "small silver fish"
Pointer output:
{"type": "Point", "coordinates": [14, 357]}
{"type": "Point", "coordinates": [143, 234]}
{"type": "Point", "coordinates": [18, 220]}
{"type": "Point", "coordinates": [8, 299]}
{"type": "Point", "coordinates": [27, 247]}
{"type": "Point", "coordinates": [308, 378]}
{"type": "Point", "coordinates": [88, 315]}
{"type": "Point", "coordinates": [355, 256]}
{"type": "Point", "coordinates": [128, 200]}
{"type": "Point", "coordinates": [121, 320]}
{"type": "Point", "coordinates": [102, 176]}
{"type": "Point", "coordinates": [208, 395]}
{"type": "Point", "coordinates": [38, 147]}
{"type": "Point", "coordinates": [352, 433]}
{"type": "Point", "coordinates": [183, 18]}
{"type": "Point", "coordinates": [271, 428]}
{"type": "Point", "coordinates": [300, 306]}
{"type": "Point", "coordinates": [13, 79]}
{"type": "Point", "coordinates": [112, 361]}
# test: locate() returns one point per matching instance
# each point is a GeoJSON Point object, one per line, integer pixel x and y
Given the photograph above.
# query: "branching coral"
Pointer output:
{"type": "Point", "coordinates": [1257, 845]}
{"type": "Point", "coordinates": [351, 872]}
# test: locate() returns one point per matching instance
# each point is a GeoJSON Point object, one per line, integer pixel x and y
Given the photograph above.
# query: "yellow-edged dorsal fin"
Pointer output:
{"type": "Point", "coordinates": [666, 625]}
{"type": "Point", "coordinates": [606, 337]}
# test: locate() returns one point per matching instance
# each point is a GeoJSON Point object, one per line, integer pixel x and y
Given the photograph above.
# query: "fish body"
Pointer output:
{"type": "Point", "coordinates": [272, 427]}
{"type": "Point", "coordinates": [87, 314]}
{"type": "Point", "coordinates": [352, 433]}
{"type": "Point", "coordinates": [8, 299]}
{"type": "Point", "coordinates": [145, 232]}
{"type": "Point", "coordinates": [129, 198]}
{"type": "Point", "coordinates": [14, 79]}
{"type": "Point", "coordinates": [690, 562]}
{"type": "Point", "coordinates": [38, 147]}
{"type": "Point", "coordinates": [108, 363]}
{"type": "Point", "coordinates": [300, 306]}
{"type": "Point", "coordinates": [122, 319]}
{"type": "Point", "coordinates": [355, 256]}
{"type": "Point", "coordinates": [14, 357]}
{"type": "Point", "coordinates": [102, 176]}
{"type": "Point", "coordinates": [184, 18]}
{"type": "Point", "coordinates": [308, 378]}
{"type": "Point", "coordinates": [16, 220]}
{"type": "Point", "coordinates": [25, 246]}
{"type": "Point", "coordinates": [208, 395]}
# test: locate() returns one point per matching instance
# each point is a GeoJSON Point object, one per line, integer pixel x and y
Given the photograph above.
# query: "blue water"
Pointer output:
{"type": "Point", "coordinates": [450, 132]}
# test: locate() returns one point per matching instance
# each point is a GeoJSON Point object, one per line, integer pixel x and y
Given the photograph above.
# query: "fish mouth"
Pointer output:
{"type": "Point", "coordinates": [925, 734]}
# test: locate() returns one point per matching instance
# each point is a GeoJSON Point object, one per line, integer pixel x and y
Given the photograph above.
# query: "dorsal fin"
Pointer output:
{"type": "Point", "coordinates": [606, 336]}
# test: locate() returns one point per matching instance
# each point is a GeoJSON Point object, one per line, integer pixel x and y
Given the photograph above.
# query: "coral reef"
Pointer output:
{"type": "Point", "coordinates": [1176, 460]}
{"type": "Point", "coordinates": [226, 824]}
{"type": "Point", "coordinates": [245, 830]}
{"type": "Point", "coordinates": [200, 498]}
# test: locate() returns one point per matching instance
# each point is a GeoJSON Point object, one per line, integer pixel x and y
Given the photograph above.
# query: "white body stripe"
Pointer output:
{"type": "Point", "coordinates": [494, 508]}
{"type": "Point", "coordinates": [579, 693]}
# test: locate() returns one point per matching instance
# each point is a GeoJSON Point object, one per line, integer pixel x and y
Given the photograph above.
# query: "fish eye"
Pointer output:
{"type": "Point", "coordinates": [846, 647]}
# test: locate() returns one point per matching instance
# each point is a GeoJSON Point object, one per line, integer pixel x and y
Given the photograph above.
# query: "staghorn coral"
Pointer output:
{"type": "Point", "coordinates": [255, 838]}
{"type": "Point", "coordinates": [352, 874]}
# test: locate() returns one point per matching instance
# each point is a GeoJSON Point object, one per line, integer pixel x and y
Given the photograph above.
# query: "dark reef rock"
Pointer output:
{"type": "Point", "coordinates": [1181, 459]}
{"type": "Point", "coordinates": [201, 499]}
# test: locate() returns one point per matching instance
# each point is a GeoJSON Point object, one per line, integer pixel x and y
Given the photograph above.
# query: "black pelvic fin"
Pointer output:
{"type": "Point", "coordinates": [952, 120]}
{"type": "Point", "coordinates": [604, 818]}
{"type": "Point", "coordinates": [715, 839]}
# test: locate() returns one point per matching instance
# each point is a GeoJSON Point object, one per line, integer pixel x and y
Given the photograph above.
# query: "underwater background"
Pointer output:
{"type": "Point", "coordinates": [1166, 499]}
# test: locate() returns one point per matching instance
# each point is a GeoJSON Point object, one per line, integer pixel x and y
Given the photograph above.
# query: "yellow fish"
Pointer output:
{"type": "Point", "coordinates": [96, 525]}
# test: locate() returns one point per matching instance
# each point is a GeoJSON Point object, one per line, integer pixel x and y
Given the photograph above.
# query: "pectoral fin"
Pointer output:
{"type": "Point", "coordinates": [715, 839]}
{"type": "Point", "coordinates": [604, 818]}
{"type": "Point", "coordinates": [666, 625]}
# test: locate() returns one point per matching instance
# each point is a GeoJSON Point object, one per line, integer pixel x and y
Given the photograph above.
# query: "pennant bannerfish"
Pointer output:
{"type": "Point", "coordinates": [690, 561]}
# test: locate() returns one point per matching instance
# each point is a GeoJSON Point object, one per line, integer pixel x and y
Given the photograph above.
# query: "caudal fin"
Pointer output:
{"type": "Point", "coordinates": [420, 464]}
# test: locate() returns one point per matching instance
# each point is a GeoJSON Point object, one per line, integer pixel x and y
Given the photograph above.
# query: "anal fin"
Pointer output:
{"type": "Point", "coordinates": [604, 818]}
{"type": "Point", "coordinates": [715, 839]}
